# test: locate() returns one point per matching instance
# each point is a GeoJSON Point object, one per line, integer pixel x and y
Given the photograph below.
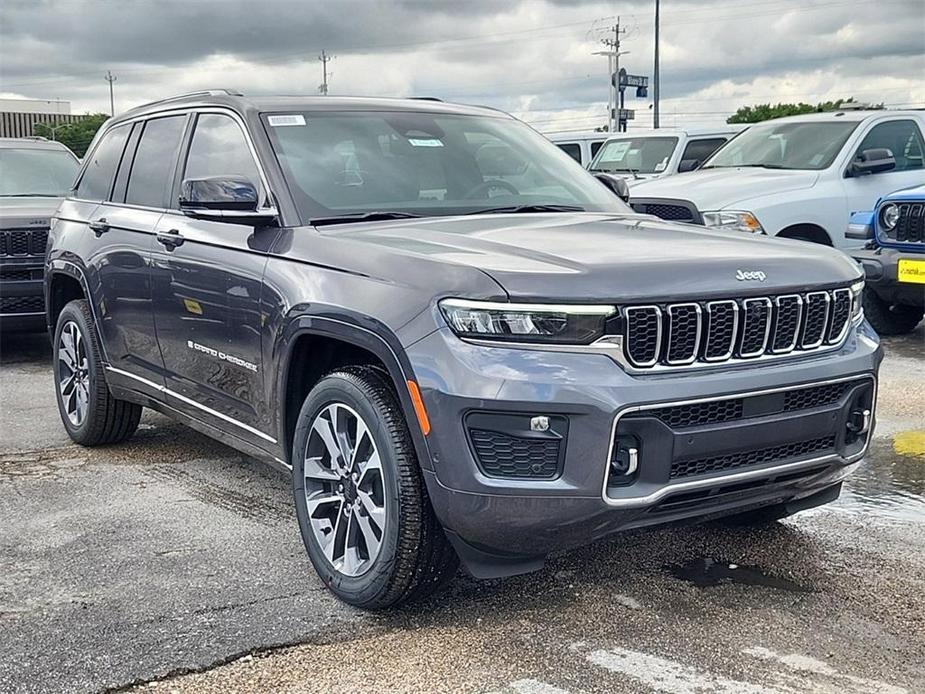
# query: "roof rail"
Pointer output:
{"type": "Point", "coordinates": [189, 95]}
{"type": "Point", "coordinates": [37, 138]}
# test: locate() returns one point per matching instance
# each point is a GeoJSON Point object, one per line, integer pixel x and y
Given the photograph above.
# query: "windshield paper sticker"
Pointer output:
{"type": "Point", "coordinates": [291, 119]}
{"type": "Point", "coordinates": [431, 142]}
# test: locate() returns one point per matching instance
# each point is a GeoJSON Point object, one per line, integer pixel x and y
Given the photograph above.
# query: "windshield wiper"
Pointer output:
{"type": "Point", "coordinates": [31, 195]}
{"type": "Point", "coordinates": [515, 209]}
{"type": "Point", "coordinates": [362, 217]}
{"type": "Point", "coordinates": [746, 166]}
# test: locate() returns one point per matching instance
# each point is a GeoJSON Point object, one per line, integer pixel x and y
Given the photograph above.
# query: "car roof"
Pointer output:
{"type": "Point", "coordinates": [271, 104]}
{"type": "Point", "coordinates": [676, 132]}
{"type": "Point", "coordinates": [576, 137]}
{"type": "Point", "coordinates": [31, 143]}
{"type": "Point", "coordinates": [852, 115]}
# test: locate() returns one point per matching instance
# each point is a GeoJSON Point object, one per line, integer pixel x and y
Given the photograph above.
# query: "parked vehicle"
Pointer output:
{"type": "Point", "coordinates": [654, 154]}
{"type": "Point", "coordinates": [34, 176]}
{"type": "Point", "coordinates": [460, 354]}
{"type": "Point", "coordinates": [798, 177]}
{"type": "Point", "coordinates": [582, 147]}
{"type": "Point", "coordinates": [893, 260]}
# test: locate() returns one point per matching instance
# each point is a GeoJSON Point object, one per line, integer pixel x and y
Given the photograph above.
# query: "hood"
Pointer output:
{"type": "Point", "coordinates": [717, 189]}
{"type": "Point", "coordinates": [27, 212]}
{"type": "Point", "coordinates": [596, 257]}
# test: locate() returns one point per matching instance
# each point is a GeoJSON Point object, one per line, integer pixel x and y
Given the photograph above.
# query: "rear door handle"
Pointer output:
{"type": "Point", "coordinates": [99, 227]}
{"type": "Point", "coordinates": [170, 239]}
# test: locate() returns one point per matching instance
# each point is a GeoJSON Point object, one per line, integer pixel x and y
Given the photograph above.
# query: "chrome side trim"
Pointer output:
{"type": "Point", "coordinates": [767, 326]}
{"type": "Point", "coordinates": [796, 330]}
{"type": "Point", "coordinates": [693, 356]}
{"type": "Point", "coordinates": [188, 401]}
{"type": "Point", "coordinates": [670, 488]}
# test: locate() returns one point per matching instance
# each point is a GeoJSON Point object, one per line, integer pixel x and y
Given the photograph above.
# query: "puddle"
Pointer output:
{"type": "Point", "coordinates": [706, 572]}
{"type": "Point", "coordinates": [890, 483]}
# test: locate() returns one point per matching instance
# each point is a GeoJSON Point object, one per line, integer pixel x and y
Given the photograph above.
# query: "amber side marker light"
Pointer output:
{"type": "Point", "coordinates": [419, 410]}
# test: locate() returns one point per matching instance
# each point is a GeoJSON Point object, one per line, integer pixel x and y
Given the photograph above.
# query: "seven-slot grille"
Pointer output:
{"type": "Point", "coordinates": [715, 331]}
{"type": "Point", "coordinates": [910, 227]}
{"type": "Point", "coordinates": [23, 241]}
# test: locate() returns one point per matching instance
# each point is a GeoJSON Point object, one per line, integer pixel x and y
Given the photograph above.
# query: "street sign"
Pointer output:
{"type": "Point", "coordinates": [639, 82]}
{"type": "Point", "coordinates": [624, 114]}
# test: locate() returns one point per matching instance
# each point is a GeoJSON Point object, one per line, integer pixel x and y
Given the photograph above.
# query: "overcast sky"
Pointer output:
{"type": "Point", "coordinates": [533, 58]}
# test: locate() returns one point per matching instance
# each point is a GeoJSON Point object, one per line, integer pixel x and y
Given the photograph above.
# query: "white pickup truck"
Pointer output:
{"type": "Point", "coordinates": [799, 177]}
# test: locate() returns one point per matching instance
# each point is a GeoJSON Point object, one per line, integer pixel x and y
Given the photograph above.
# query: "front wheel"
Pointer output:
{"type": "Point", "coordinates": [360, 499]}
{"type": "Point", "coordinates": [91, 415]}
{"type": "Point", "coordinates": [888, 319]}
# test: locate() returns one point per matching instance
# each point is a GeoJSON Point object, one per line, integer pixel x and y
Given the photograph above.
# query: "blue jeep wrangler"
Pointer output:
{"type": "Point", "coordinates": [893, 260]}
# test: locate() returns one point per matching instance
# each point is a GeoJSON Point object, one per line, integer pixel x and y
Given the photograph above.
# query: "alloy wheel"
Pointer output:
{"type": "Point", "coordinates": [344, 490]}
{"type": "Point", "coordinates": [73, 373]}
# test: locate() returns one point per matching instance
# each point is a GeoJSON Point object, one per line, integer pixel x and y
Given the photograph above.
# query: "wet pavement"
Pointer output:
{"type": "Point", "coordinates": [173, 554]}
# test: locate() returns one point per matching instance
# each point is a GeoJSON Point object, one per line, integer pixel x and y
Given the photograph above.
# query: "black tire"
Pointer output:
{"type": "Point", "coordinates": [106, 419]}
{"type": "Point", "coordinates": [415, 558]}
{"type": "Point", "coordinates": [899, 319]}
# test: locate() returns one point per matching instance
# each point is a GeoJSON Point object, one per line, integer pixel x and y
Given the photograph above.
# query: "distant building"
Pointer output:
{"type": "Point", "coordinates": [19, 116]}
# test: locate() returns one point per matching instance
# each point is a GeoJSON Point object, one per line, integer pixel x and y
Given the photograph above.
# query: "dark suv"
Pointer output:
{"type": "Point", "coordinates": [462, 344]}
{"type": "Point", "coordinates": [34, 175]}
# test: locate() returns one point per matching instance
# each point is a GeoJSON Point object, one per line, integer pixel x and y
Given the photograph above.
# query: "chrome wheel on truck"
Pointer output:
{"type": "Point", "coordinates": [344, 491]}
{"type": "Point", "coordinates": [73, 372]}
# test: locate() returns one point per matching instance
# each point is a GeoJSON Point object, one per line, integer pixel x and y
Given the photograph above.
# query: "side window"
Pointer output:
{"type": "Point", "coordinates": [155, 162]}
{"type": "Point", "coordinates": [701, 149]}
{"type": "Point", "coordinates": [595, 146]}
{"type": "Point", "coordinates": [96, 181]}
{"type": "Point", "coordinates": [219, 148]}
{"type": "Point", "coordinates": [573, 149]}
{"type": "Point", "coordinates": [902, 138]}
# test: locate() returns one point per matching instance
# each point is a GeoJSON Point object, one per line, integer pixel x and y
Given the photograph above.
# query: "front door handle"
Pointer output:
{"type": "Point", "coordinates": [170, 239]}
{"type": "Point", "coordinates": [99, 227]}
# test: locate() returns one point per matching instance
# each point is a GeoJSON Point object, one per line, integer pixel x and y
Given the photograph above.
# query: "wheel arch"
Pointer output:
{"type": "Point", "coordinates": [64, 282]}
{"type": "Point", "coordinates": [806, 231]}
{"type": "Point", "coordinates": [333, 342]}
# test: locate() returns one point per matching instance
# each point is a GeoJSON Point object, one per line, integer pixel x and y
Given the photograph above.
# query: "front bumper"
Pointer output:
{"type": "Point", "coordinates": [22, 294]}
{"type": "Point", "coordinates": [504, 525]}
{"type": "Point", "coordinates": [881, 275]}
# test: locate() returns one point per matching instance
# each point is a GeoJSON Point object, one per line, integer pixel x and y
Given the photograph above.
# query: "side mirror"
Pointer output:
{"type": "Point", "coordinates": [872, 161]}
{"type": "Point", "coordinates": [688, 165]}
{"type": "Point", "coordinates": [231, 199]}
{"type": "Point", "coordinates": [860, 226]}
{"type": "Point", "coordinates": [617, 185]}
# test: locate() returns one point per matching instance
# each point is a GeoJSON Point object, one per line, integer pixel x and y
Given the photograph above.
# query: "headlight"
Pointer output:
{"type": "Point", "coordinates": [540, 323]}
{"type": "Point", "coordinates": [889, 215]}
{"type": "Point", "coordinates": [857, 289]}
{"type": "Point", "coordinates": [733, 220]}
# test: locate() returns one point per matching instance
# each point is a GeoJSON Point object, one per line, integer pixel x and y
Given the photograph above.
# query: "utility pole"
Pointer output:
{"type": "Point", "coordinates": [325, 59]}
{"type": "Point", "coordinates": [655, 74]}
{"type": "Point", "coordinates": [613, 65]}
{"type": "Point", "coordinates": [112, 104]}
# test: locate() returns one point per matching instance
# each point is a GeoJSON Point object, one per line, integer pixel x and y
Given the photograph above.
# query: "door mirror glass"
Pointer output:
{"type": "Point", "coordinates": [227, 198]}
{"type": "Point", "coordinates": [617, 185]}
{"type": "Point", "coordinates": [871, 161]}
{"type": "Point", "coordinates": [688, 165]}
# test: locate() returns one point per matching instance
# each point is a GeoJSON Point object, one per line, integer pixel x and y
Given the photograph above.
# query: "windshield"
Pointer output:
{"type": "Point", "coordinates": [784, 146]}
{"type": "Point", "coordinates": [641, 154]}
{"type": "Point", "coordinates": [351, 163]}
{"type": "Point", "coordinates": [36, 172]}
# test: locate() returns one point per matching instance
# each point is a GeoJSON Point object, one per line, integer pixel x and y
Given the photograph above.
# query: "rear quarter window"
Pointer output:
{"type": "Point", "coordinates": [96, 181]}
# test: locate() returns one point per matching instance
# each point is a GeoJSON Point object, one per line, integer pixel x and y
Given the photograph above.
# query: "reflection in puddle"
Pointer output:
{"type": "Point", "coordinates": [707, 572]}
{"type": "Point", "coordinates": [890, 483]}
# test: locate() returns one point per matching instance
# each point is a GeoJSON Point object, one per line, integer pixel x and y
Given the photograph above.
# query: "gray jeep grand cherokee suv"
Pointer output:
{"type": "Point", "coordinates": [463, 345]}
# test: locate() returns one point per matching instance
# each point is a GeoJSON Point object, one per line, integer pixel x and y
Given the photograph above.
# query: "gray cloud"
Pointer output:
{"type": "Point", "coordinates": [533, 57]}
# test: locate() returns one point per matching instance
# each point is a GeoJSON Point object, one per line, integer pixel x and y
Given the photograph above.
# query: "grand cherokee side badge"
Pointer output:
{"type": "Point", "coordinates": [744, 276]}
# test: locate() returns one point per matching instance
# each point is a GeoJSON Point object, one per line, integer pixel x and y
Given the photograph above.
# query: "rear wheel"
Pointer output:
{"type": "Point", "coordinates": [361, 503]}
{"type": "Point", "coordinates": [887, 319]}
{"type": "Point", "coordinates": [91, 415]}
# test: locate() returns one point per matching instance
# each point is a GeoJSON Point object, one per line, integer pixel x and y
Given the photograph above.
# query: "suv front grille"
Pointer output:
{"type": "Point", "coordinates": [23, 242]}
{"type": "Point", "coordinates": [716, 331]}
{"type": "Point", "coordinates": [910, 228]}
{"type": "Point", "coordinates": [676, 211]}
{"type": "Point", "coordinates": [21, 304]}
{"type": "Point", "coordinates": [773, 454]}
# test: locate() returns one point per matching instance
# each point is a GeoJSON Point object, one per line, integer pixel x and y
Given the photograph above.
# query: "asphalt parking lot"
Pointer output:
{"type": "Point", "coordinates": [173, 563]}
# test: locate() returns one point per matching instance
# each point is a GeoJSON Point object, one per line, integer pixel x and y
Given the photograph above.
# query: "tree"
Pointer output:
{"type": "Point", "coordinates": [756, 114]}
{"type": "Point", "coordinates": [76, 136]}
